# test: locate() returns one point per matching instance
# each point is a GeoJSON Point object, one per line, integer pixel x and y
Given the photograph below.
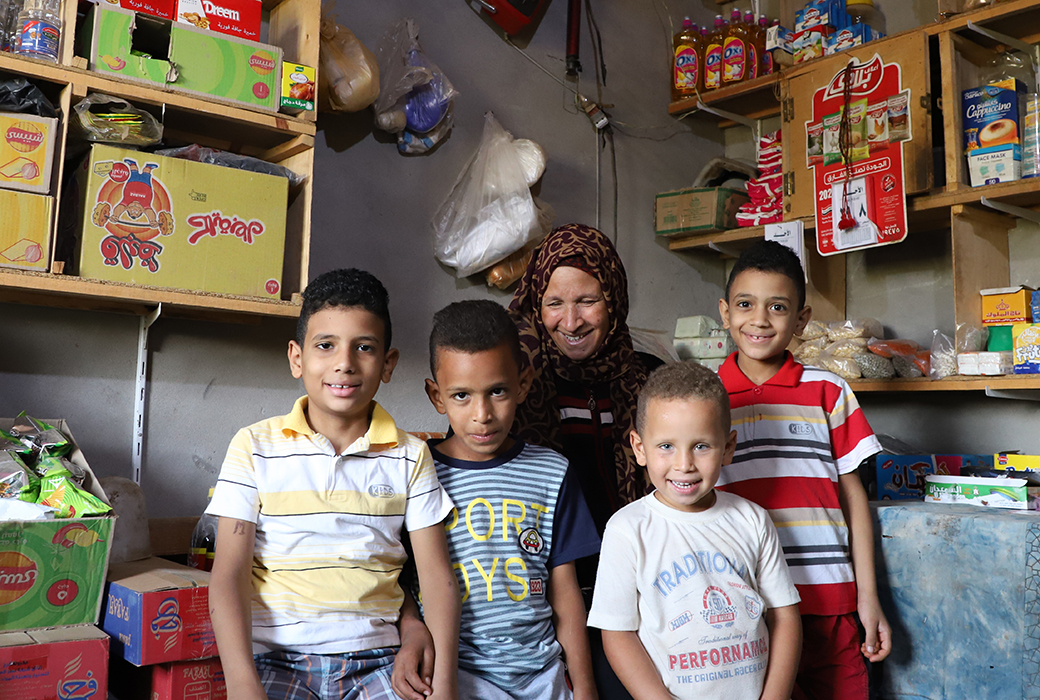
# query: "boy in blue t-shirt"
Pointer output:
{"type": "Point", "coordinates": [520, 520]}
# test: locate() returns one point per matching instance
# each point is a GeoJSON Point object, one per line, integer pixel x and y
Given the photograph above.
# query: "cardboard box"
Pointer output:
{"type": "Point", "coordinates": [157, 611]}
{"type": "Point", "coordinates": [166, 9]}
{"type": "Point", "coordinates": [68, 663]}
{"type": "Point", "coordinates": [1026, 348]}
{"type": "Point", "coordinates": [27, 152]}
{"type": "Point", "coordinates": [699, 210]}
{"type": "Point", "coordinates": [297, 92]}
{"type": "Point", "coordinates": [180, 680]}
{"type": "Point", "coordinates": [25, 230]}
{"type": "Point", "coordinates": [703, 348]}
{"type": "Point", "coordinates": [995, 364]}
{"type": "Point", "coordinates": [196, 60]}
{"type": "Point", "coordinates": [180, 223]}
{"type": "Point", "coordinates": [993, 114]}
{"type": "Point", "coordinates": [50, 577]}
{"type": "Point", "coordinates": [1010, 460]}
{"type": "Point", "coordinates": [239, 18]}
{"type": "Point", "coordinates": [902, 477]}
{"type": "Point", "coordinates": [1006, 305]}
{"type": "Point", "coordinates": [695, 326]}
{"type": "Point", "coordinates": [988, 166]}
{"type": "Point", "coordinates": [1012, 494]}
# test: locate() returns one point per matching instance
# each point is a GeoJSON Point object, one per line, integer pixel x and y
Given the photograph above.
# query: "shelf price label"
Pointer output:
{"type": "Point", "coordinates": [878, 125]}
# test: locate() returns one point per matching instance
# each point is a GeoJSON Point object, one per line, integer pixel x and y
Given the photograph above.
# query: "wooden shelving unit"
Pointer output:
{"type": "Point", "coordinates": [734, 237]}
{"type": "Point", "coordinates": [756, 99]}
{"type": "Point", "coordinates": [1021, 381]}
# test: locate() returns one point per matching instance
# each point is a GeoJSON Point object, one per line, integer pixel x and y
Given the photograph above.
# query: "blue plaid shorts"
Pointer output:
{"type": "Point", "coordinates": [362, 675]}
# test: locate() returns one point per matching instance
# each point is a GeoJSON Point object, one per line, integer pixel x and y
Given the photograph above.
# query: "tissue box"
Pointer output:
{"type": "Point", "coordinates": [988, 166]}
{"type": "Point", "coordinates": [695, 326]}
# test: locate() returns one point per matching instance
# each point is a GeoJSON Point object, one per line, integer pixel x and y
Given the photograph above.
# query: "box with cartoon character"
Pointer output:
{"type": "Point", "coordinates": [167, 222]}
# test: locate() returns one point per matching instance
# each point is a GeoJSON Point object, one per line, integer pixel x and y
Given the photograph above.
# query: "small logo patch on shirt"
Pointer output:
{"type": "Point", "coordinates": [753, 607]}
{"type": "Point", "coordinates": [800, 429]}
{"type": "Point", "coordinates": [381, 491]}
{"type": "Point", "coordinates": [531, 542]}
{"type": "Point", "coordinates": [537, 587]}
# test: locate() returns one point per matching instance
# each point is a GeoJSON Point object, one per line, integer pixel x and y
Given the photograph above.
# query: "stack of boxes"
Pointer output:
{"type": "Point", "coordinates": [700, 338]}
{"type": "Point", "coordinates": [823, 27]}
{"type": "Point", "coordinates": [994, 115]}
{"type": "Point", "coordinates": [1013, 346]}
{"type": "Point", "coordinates": [766, 191]}
{"type": "Point", "coordinates": [163, 647]}
{"type": "Point", "coordinates": [52, 575]}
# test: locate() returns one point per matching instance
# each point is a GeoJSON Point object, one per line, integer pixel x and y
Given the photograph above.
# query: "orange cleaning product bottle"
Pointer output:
{"type": "Point", "coordinates": [754, 47]}
{"type": "Point", "coordinates": [687, 61]}
{"type": "Point", "coordinates": [713, 56]}
{"type": "Point", "coordinates": [765, 57]}
{"type": "Point", "coordinates": [735, 50]}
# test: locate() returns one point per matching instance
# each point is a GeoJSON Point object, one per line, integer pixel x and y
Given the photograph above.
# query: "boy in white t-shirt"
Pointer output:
{"type": "Point", "coordinates": [693, 594]}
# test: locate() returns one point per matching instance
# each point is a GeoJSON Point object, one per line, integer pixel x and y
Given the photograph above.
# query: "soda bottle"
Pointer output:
{"type": "Point", "coordinates": [39, 30]}
{"type": "Point", "coordinates": [754, 51]}
{"type": "Point", "coordinates": [713, 56]}
{"type": "Point", "coordinates": [687, 57]}
{"type": "Point", "coordinates": [734, 51]}
{"type": "Point", "coordinates": [203, 542]}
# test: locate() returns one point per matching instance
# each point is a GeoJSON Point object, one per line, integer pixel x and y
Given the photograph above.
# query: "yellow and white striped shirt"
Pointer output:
{"type": "Point", "coordinates": [328, 546]}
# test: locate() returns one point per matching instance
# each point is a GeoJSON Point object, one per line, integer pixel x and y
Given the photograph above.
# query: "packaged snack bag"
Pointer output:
{"type": "Point", "coordinates": [17, 480]}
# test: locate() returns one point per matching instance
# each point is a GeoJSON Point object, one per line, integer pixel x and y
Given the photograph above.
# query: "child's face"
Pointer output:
{"type": "Point", "coordinates": [683, 447]}
{"type": "Point", "coordinates": [342, 361]}
{"type": "Point", "coordinates": [762, 314]}
{"type": "Point", "coordinates": [479, 393]}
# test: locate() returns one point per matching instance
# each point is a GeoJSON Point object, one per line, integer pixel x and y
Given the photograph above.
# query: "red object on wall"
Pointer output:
{"type": "Point", "coordinates": [512, 15]}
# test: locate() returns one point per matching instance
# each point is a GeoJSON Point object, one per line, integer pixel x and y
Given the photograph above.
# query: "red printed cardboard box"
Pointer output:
{"type": "Point", "coordinates": [235, 17]}
{"type": "Point", "coordinates": [62, 663]}
{"type": "Point", "coordinates": [156, 8]}
{"type": "Point", "coordinates": [202, 679]}
{"type": "Point", "coordinates": [158, 611]}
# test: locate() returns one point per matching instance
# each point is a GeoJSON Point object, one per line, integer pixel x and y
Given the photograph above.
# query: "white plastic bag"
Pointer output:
{"type": "Point", "coordinates": [490, 212]}
{"type": "Point", "coordinates": [348, 69]}
{"type": "Point", "coordinates": [943, 356]}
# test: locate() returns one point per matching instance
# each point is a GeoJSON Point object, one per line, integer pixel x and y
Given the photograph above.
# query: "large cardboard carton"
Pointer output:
{"type": "Point", "coordinates": [57, 664]}
{"type": "Point", "coordinates": [147, 219]}
{"type": "Point", "coordinates": [157, 8]}
{"type": "Point", "coordinates": [52, 572]}
{"type": "Point", "coordinates": [158, 611]}
{"type": "Point", "coordinates": [26, 152]}
{"type": "Point", "coordinates": [25, 230]}
{"type": "Point", "coordinates": [699, 210]}
{"type": "Point", "coordinates": [239, 18]}
{"type": "Point", "coordinates": [201, 679]}
{"type": "Point", "coordinates": [151, 50]}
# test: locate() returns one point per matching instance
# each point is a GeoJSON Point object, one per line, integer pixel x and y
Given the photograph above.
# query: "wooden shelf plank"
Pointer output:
{"type": "Point", "coordinates": [737, 235]}
{"type": "Point", "coordinates": [1001, 17]}
{"type": "Point", "coordinates": [756, 98]}
{"type": "Point", "coordinates": [1018, 381]}
{"type": "Point", "coordinates": [67, 291]}
{"type": "Point", "coordinates": [1023, 193]}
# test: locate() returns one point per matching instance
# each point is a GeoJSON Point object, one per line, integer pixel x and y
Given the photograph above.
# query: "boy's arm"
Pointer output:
{"type": "Point", "coordinates": [230, 595]}
{"type": "Point", "coordinates": [441, 605]}
{"type": "Point", "coordinates": [413, 665]}
{"type": "Point", "coordinates": [854, 505]}
{"type": "Point", "coordinates": [633, 666]}
{"type": "Point", "coordinates": [785, 648]}
{"type": "Point", "coordinates": [568, 611]}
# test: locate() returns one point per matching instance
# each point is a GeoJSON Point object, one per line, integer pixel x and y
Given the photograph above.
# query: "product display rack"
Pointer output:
{"type": "Point", "coordinates": [293, 25]}
{"type": "Point", "coordinates": [951, 53]}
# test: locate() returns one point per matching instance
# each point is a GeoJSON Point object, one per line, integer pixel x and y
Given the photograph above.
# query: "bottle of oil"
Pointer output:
{"type": "Point", "coordinates": [713, 56]}
{"type": "Point", "coordinates": [687, 61]}
{"type": "Point", "coordinates": [734, 51]}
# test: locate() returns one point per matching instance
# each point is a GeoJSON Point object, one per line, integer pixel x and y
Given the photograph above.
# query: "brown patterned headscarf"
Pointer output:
{"type": "Point", "coordinates": [614, 363]}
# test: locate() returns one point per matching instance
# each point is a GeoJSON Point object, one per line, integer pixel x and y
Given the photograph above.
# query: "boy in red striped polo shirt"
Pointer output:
{"type": "Point", "coordinates": [800, 437]}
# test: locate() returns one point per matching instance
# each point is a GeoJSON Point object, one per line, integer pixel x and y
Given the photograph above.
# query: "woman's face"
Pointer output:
{"type": "Point", "coordinates": [574, 311]}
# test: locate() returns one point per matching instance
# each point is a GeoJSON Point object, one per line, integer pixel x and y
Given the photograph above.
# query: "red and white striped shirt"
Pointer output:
{"type": "Point", "coordinates": [796, 433]}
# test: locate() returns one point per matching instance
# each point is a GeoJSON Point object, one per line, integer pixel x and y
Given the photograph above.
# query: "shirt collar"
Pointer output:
{"type": "Point", "coordinates": [789, 375]}
{"type": "Point", "coordinates": [382, 430]}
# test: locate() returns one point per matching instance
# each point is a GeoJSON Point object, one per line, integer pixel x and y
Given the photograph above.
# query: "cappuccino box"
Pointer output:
{"type": "Point", "coordinates": [52, 572]}
{"type": "Point", "coordinates": [122, 44]}
{"type": "Point", "coordinates": [167, 222]}
{"type": "Point", "coordinates": [66, 663]}
{"type": "Point", "coordinates": [26, 152]}
{"type": "Point", "coordinates": [239, 18]}
{"type": "Point", "coordinates": [200, 679]}
{"type": "Point", "coordinates": [993, 114]}
{"type": "Point", "coordinates": [157, 611]}
{"type": "Point", "coordinates": [25, 230]}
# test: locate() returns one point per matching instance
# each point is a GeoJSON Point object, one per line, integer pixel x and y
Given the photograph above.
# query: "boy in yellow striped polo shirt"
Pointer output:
{"type": "Point", "coordinates": [304, 594]}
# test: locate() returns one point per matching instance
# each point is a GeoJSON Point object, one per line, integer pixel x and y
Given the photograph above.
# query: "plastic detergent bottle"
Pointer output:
{"type": "Point", "coordinates": [765, 66]}
{"type": "Point", "coordinates": [713, 56]}
{"type": "Point", "coordinates": [735, 51]}
{"type": "Point", "coordinates": [754, 46]}
{"type": "Point", "coordinates": [39, 30]}
{"type": "Point", "coordinates": [203, 542]}
{"type": "Point", "coordinates": [687, 60]}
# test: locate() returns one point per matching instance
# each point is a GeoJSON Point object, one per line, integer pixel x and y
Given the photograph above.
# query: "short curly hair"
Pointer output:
{"type": "Point", "coordinates": [770, 256]}
{"type": "Point", "coordinates": [347, 288]}
{"type": "Point", "coordinates": [472, 326]}
{"type": "Point", "coordinates": [683, 380]}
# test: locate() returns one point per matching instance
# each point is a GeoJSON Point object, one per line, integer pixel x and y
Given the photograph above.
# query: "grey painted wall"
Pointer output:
{"type": "Point", "coordinates": [371, 210]}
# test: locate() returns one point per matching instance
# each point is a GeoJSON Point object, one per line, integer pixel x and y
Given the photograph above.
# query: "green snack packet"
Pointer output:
{"type": "Point", "coordinates": [12, 443]}
{"type": "Point", "coordinates": [49, 465]}
{"type": "Point", "coordinates": [44, 437]}
{"type": "Point", "coordinates": [71, 501]}
{"type": "Point", "coordinates": [16, 479]}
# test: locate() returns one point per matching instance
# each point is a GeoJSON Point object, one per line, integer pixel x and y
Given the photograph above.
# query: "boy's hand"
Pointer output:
{"type": "Point", "coordinates": [412, 678]}
{"type": "Point", "coordinates": [878, 643]}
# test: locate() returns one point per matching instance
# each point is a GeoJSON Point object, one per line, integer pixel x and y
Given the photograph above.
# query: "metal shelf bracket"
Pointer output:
{"type": "Point", "coordinates": [1031, 50]}
{"type": "Point", "coordinates": [1014, 394]}
{"type": "Point", "coordinates": [1020, 212]}
{"type": "Point", "coordinates": [141, 390]}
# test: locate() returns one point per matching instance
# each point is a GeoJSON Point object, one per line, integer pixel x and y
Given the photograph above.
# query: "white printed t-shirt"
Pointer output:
{"type": "Point", "coordinates": [328, 548]}
{"type": "Point", "coordinates": [695, 586]}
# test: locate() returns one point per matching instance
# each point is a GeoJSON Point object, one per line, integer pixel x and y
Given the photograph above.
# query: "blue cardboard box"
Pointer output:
{"type": "Point", "coordinates": [901, 477]}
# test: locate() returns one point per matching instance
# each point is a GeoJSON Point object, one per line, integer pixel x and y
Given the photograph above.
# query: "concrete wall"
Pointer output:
{"type": "Point", "coordinates": [372, 208]}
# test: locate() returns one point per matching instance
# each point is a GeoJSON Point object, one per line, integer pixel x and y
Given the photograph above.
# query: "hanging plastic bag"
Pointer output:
{"type": "Point", "coordinates": [349, 74]}
{"type": "Point", "coordinates": [106, 119]}
{"type": "Point", "coordinates": [490, 212]}
{"type": "Point", "coordinates": [414, 94]}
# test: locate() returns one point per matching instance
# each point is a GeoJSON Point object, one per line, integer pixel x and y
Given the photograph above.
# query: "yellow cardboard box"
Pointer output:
{"type": "Point", "coordinates": [1005, 305]}
{"type": "Point", "coordinates": [26, 152]}
{"type": "Point", "coordinates": [1026, 339]}
{"type": "Point", "coordinates": [148, 219]}
{"type": "Point", "coordinates": [25, 230]}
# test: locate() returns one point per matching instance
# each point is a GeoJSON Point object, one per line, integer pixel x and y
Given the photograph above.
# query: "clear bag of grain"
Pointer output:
{"type": "Point", "coordinates": [844, 367]}
{"type": "Point", "coordinates": [855, 328]}
{"type": "Point", "coordinates": [873, 366]}
{"type": "Point", "coordinates": [849, 347]}
{"type": "Point", "coordinates": [808, 352]}
{"type": "Point", "coordinates": [943, 356]}
{"type": "Point", "coordinates": [813, 330]}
